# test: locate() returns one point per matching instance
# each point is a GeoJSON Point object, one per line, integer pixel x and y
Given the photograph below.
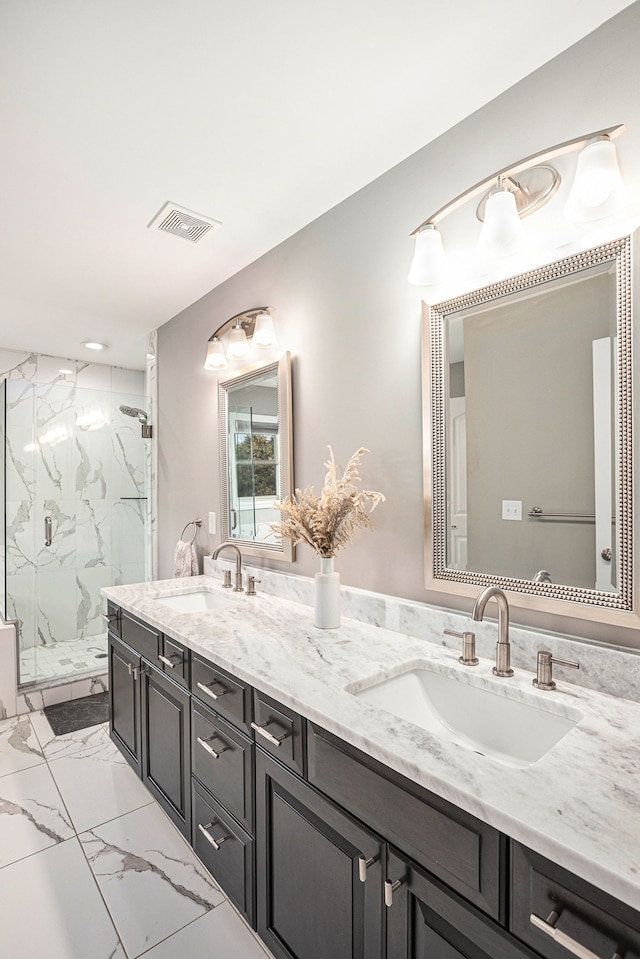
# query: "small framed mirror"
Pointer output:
{"type": "Point", "coordinates": [529, 441]}
{"type": "Point", "coordinates": [256, 460]}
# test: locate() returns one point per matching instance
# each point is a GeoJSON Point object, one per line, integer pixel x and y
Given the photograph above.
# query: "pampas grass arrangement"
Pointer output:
{"type": "Point", "coordinates": [327, 523]}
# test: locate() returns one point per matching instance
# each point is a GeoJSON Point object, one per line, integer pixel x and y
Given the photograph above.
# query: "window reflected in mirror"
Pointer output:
{"type": "Point", "coordinates": [255, 441]}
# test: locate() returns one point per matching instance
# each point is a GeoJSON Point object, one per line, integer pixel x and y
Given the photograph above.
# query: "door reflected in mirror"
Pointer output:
{"type": "Point", "coordinates": [255, 454]}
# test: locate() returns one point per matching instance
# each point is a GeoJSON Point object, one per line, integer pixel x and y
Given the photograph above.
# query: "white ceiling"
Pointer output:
{"type": "Point", "coordinates": [260, 114]}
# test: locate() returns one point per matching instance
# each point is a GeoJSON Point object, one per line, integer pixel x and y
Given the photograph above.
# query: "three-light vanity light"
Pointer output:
{"type": "Point", "coordinates": [248, 333]}
{"type": "Point", "coordinates": [520, 189]}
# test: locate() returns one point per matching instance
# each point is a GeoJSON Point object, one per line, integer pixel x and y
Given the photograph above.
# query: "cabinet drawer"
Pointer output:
{"type": "Point", "coordinates": [582, 913]}
{"type": "Point", "coordinates": [174, 660]}
{"type": "Point", "coordinates": [279, 730]}
{"type": "Point", "coordinates": [227, 695]}
{"type": "Point", "coordinates": [454, 846]}
{"type": "Point", "coordinates": [224, 848]}
{"type": "Point", "coordinates": [221, 758]}
{"type": "Point", "coordinates": [114, 619]}
{"type": "Point", "coordinates": [144, 639]}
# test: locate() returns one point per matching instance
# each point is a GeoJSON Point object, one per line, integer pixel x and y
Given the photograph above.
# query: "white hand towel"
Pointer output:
{"type": "Point", "coordinates": [186, 560]}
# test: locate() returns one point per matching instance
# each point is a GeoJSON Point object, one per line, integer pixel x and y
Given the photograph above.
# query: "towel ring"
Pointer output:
{"type": "Point", "coordinates": [194, 522]}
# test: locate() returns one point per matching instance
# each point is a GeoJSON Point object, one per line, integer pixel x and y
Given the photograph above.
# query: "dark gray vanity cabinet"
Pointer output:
{"type": "Point", "coordinates": [124, 701]}
{"type": "Point", "coordinates": [166, 765]}
{"type": "Point", "coordinates": [318, 872]}
{"type": "Point", "coordinates": [150, 715]}
{"type": "Point", "coordinates": [326, 851]}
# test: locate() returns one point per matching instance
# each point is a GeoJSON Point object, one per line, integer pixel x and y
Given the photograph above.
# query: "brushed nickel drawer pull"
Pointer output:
{"type": "Point", "coordinates": [389, 889]}
{"type": "Point", "coordinates": [205, 745]}
{"type": "Point", "coordinates": [216, 843]}
{"type": "Point", "coordinates": [167, 662]}
{"type": "Point", "coordinates": [576, 948]}
{"type": "Point", "coordinates": [363, 865]}
{"type": "Point", "coordinates": [210, 692]}
{"type": "Point", "coordinates": [274, 740]}
{"type": "Point", "coordinates": [110, 617]}
{"type": "Point", "coordinates": [133, 670]}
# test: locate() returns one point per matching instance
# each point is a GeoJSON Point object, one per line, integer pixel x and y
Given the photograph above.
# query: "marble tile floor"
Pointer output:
{"type": "Point", "coordinates": [41, 664]}
{"type": "Point", "coordinates": [90, 867]}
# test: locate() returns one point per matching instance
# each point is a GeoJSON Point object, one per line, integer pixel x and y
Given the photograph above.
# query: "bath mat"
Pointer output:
{"type": "Point", "coordinates": [78, 714]}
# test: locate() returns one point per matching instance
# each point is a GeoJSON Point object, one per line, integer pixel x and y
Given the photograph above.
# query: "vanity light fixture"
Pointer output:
{"type": "Point", "coordinates": [247, 332]}
{"type": "Point", "coordinates": [520, 189]}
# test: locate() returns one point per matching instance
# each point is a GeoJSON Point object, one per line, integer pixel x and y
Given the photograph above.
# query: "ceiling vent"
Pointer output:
{"type": "Point", "coordinates": [184, 223]}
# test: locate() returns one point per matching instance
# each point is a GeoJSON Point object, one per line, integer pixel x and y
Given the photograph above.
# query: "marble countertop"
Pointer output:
{"type": "Point", "coordinates": [579, 805]}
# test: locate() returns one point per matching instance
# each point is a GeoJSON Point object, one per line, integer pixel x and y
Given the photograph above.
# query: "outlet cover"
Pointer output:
{"type": "Point", "coordinates": [212, 522]}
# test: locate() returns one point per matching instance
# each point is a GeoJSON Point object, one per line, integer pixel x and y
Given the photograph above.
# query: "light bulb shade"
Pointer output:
{"type": "Point", "coordinates": [216, 360]}
{"type": "Point", "coordinates": [237, 347]}
{"type": "Point", "coordinates": [598, 188]}
{"type": "Point", "coordinates": [502, 232]}
{"type": "Point", "coordinates": [427, 267]}
{"type": "Point", "coordinates": [264, 334]}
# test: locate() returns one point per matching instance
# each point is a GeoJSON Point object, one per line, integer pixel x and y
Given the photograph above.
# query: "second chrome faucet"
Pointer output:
{"type": "Point", "coordinates": [503, 646]}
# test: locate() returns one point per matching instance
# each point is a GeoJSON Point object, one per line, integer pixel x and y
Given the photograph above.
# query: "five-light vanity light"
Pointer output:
{"type": "Point", "coordinates": [248, 332]}
{"type": "Point", "coordinates": [520, 189]}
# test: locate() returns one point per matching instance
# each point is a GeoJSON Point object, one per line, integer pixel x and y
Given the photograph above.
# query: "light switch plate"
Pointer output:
{"type": "Point", "coordinates": [212, 522]}
{"type": "Point", "coordinates": [512, 509]}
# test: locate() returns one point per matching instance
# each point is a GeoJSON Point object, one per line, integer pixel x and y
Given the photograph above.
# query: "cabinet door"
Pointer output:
{"type": "Point", "coordinates": [311, 902]}
{"type": "Point", "coordinates": [425, 920]}
{"type": "Point", "coordinates": [166, 768]}
{"type": "Point", "coordinates": [124, 701]}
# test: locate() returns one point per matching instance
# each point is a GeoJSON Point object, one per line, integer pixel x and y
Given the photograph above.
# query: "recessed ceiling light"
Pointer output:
{"type": "Point", "coordinates": [66, 372]}
{"type": "Point", "coordinates": [95, 346]}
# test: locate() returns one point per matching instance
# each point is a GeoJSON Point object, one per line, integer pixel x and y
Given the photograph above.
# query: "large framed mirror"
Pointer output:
{"type": "Point", "coordinates": [528, 409]}
{"type": "Point", "coordinates": [256, 460]}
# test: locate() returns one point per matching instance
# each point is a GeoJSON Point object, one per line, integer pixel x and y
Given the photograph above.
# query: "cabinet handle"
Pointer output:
{"type": "Point", "coordinates": [274, 740]}
{"type": "Point", "coordinates": [109, 617]}
{"type": "Point", "coordinates": [205, 745]}
{"type": "Point", "coordinates": [133, 670]}
{"type": "Point", "coordinates": [363, 865]}
{"type": "Point", "coordinates": [167, 662]}
{"type": "Point", "coordinates": [389, 889]}
{"type": "Point", "coordinates": [574, 947]}
{"type": "Point", "coordinates": [210, 692]}
{"type": "Point", "coordinates": [216, 843]}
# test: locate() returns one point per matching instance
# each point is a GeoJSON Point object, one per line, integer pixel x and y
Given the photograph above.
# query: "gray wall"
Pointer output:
{"type": "Point", "coordinates": [352, 323]}
{"type": "Point", "coordinates": [529, 381]}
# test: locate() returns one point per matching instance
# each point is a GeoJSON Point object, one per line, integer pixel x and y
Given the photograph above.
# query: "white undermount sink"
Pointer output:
{"type": "Point", "coordinates": [492, 724]}
{"type": "Point", "coordinates": [195, 601]}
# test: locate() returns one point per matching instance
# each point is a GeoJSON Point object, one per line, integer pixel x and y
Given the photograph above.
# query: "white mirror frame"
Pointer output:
{"type": "Point", "coordinates": [619, 608]}
{"type": "Point", "coordinates": [278, 549]}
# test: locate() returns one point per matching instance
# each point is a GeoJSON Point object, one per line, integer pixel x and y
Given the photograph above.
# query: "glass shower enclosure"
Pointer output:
{"type": "Point", "coordinates": [76, 518]}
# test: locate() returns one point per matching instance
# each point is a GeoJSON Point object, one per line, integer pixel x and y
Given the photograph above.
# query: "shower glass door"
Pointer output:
{"type": "Point", "coordinates": [77, 476]}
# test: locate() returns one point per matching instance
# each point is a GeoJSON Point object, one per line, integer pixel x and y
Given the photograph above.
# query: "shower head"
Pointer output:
{"type": "Point", "coordinates": [135, 412]}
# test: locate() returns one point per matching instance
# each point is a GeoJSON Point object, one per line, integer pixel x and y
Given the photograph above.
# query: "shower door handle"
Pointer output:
{"type": "Point", "coordinates": [48, 531]}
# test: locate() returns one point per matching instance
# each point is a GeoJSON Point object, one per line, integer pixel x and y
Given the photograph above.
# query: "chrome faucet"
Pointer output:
{"type": "Point", "coordinates": [503, 646]}
{"type": "Point", "coordinates": [238, 588]}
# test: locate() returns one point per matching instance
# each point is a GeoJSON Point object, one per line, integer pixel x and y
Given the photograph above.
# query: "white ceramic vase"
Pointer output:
{"type": "Point", "coordinates": [327, 605]}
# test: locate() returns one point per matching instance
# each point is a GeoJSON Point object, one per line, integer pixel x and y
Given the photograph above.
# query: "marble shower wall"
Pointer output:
{"type": "Point", "coordinates": [73, 456]}
{"type": "Point", "coordinates": [2, 516]}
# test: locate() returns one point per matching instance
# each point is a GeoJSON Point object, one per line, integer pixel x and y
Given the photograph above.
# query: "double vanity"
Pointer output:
{"type": "Point", "coordinates": [359, 793]}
